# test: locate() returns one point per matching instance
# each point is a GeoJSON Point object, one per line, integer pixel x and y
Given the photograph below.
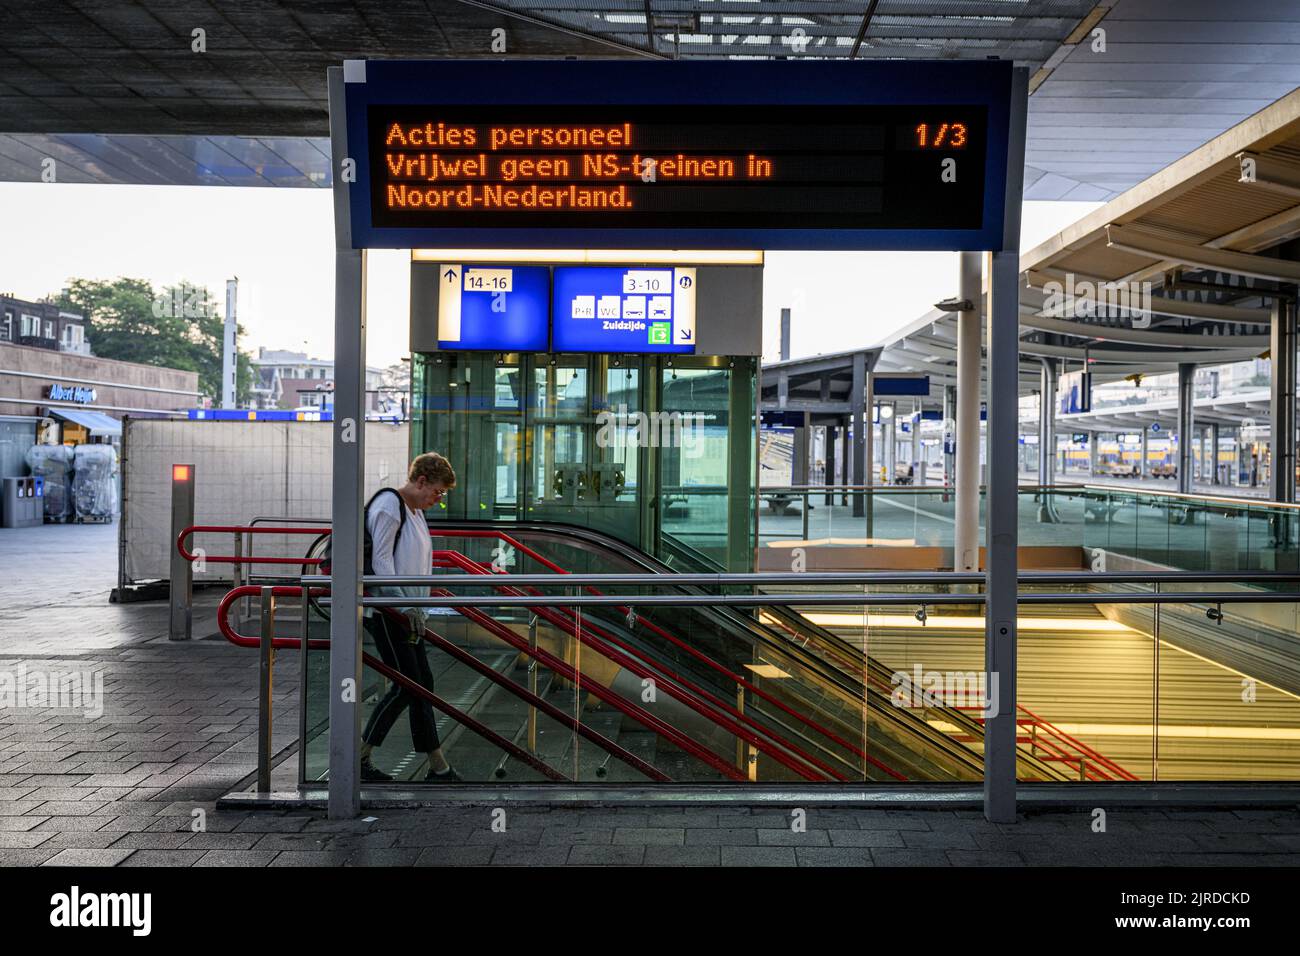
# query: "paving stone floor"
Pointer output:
{"type": "Point", "coordinates": [136, 784]}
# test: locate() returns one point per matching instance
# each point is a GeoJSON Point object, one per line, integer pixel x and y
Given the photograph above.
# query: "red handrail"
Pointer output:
{"type": "Point", "coordinates": [392, 674]}
{"type": "Point", "coordinates": [611, 648]}
{"type": "Point", "coordinates": [651, 625]}
{"type": "Point", "coordinates": [646, 719]}
{"type": "Point", "coordinates": [243, 529]}
{"type": "Point", "coordinates": [740, 730]}
{"type": "Point", "coordinates": [545, 706]}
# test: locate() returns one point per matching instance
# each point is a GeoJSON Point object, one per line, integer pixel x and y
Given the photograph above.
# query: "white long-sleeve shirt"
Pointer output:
{"type": "Point", "coordinates": [413, 553]}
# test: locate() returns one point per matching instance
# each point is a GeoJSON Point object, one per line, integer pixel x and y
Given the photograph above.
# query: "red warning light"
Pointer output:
{"type": "Point", "coordinates": [180, 472]}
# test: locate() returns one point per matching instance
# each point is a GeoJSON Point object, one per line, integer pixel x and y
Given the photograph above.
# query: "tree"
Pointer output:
{"type": "Point", "coordinates": [181, 327]}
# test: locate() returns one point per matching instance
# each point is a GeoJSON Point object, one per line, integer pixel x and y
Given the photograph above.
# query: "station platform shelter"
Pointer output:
{"type": "Point", "coordinates": [618, 600]}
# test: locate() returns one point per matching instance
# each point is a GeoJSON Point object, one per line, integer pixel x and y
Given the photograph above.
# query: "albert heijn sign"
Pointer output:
{"type": "Point", "coordinates": [71, 393]}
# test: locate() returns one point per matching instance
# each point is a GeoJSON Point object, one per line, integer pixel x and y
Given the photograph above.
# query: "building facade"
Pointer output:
{"type": "Point", "coordinates": [42, 325]}
{"type": "Point", "coordinates": [52, 396]}
{"type": "Point", "coordinates": [292, 380]}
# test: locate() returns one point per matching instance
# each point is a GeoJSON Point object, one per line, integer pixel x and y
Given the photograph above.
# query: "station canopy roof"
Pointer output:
{"type": "Point", "coordinates": [1212, 241]}
{"type": "Point", "coordinates": [115, 93]}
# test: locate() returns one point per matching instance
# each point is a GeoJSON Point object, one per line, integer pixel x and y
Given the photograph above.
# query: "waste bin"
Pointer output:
{"type": "Point", "coordinates": [24, 503]}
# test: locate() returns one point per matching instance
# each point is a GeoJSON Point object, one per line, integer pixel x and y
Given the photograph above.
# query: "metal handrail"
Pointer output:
{"type": "Point", "coordinates": [704, 695]}
{"type": "Point", "coordinates": [768, 600]}
{"type": "Point", "coordinates": [268, 643]}
{"type": "Point", "coordinates": [761, 578]}
{"type": "Point", "coordinates": [677, 687]}
{"type": "Point", "coordinates": [1068, 487]}
{"type": "Point", "coordinates": [188, 555]}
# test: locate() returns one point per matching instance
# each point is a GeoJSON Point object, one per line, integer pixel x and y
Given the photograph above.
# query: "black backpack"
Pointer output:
{"type": "Point", "coordinates": [368, 544]}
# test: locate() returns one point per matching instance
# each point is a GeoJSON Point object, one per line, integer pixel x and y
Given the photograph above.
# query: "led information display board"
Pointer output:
{"type": "Point", "coordinates": [764, 155]}
{"type": "Point", "coordinates": [885, 384]}
{"type": "Point", "coordinates": [650, 309]}
{"type": "Point", "coordinates": [493, 308]}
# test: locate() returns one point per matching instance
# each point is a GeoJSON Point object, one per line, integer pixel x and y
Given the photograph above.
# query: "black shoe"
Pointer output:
{"type": "Point", "coordinates": [447, 776]}
{"type": "Point", "coordinates": [372, 774]}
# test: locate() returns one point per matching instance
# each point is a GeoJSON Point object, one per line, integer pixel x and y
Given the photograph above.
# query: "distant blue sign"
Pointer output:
{"type": "Point", "coordinates": [493, 308]}
{"type": "Point", "coordinates": [257, 415]}
{"type": "Point", "coordinates": [598, 309]}
{"type": "Point", "coordinates": [891, 385]}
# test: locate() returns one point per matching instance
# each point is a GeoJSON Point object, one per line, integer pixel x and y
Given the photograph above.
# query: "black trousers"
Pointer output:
{"type": "Point", "coordinates": [396, 650]}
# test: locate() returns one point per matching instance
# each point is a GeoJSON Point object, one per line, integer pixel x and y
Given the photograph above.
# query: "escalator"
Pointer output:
{"type": "Point", "coordinates": [617, 693]}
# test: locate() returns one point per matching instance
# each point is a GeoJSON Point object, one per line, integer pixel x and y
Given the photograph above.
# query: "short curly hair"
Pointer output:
{"type": "Point", "coordinates": [432, 467]}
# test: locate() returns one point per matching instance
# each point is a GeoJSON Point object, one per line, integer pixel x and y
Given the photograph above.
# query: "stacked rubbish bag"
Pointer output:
{"type": "Point", "coordinates": [54, 464]}
{"type": "Point", "coordinates": [94, 482]}
{"type": "Point", "coordinates": [80, 480]}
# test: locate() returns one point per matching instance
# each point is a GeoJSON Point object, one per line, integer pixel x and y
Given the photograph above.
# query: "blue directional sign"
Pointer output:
{"type": "Point", "coordinates": [493, 308]}
{"type": "Point", "coordinates": [642, 309]}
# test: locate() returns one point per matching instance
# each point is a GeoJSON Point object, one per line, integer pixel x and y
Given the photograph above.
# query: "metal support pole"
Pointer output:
{"type": "Point", "coordinates": [949, 439]}
{"type": "Point", "coordinates": [240, 573]}
{"type": "Point", "coordinates": [966, 529]}
{"type": "Point", "coordinates": [1142, 467]}
{"type": "Point", "coordinates": [264, 686]}
{"type": "Point", "coordinates": [348, 474]}
{"type": "Point", "coordinates": [799, 461]}
{"type": "Point", "coordinates": [830, 464]}
{"type": "Point", "coordinates": [1214, 442]}
{"type": "Point", "coordinates": [846, 447]}
{"type": "Point", "coordinates": [1047, 423]}
{"type": "Point", "coordinates": [1186, 424]}
{"type": "Point", "coordinates": [1001, 531]}
{"type": "Point", "coordinates": [785, 335]}
{"type": "Point", "coordinates": [229, 355]}
{"type": "Point", "coordinates": [861, 431]}
{"type": "Point", "coordinates": [1003, 423]}
{"type": "Point", "coordinates": [532, 683]}
{"type": "Point", "coordinates": [181, 580]}
{"type": "Point", "coordinates": [889, 438]}
{"type": "Point", "coordinates": [1047, 441]}
{"type": "Point", "coordinates": [1282, 401]}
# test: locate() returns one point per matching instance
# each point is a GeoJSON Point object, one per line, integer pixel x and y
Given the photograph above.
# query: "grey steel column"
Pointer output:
{"type": "Point", "coordinates": [1001, 535]}
{"type": "Point", "coordinates": [1282, 401]}
{"type": "Point", "coordinates": [869, 436]}
{"type": "Point", "coordinates": [949, 436]}
{"type": "Point", "coordinates": [1003, 464]}
{"type": "Point", "coordinates": [846, 447]}
{"type": "Point", "coordinates": [785, 335]}
{"type": "Point", "coordinates": [829, 478]}
{"type": "Point", "coordinates": [1186, 377]}
{"type": "Point", "coordinates": [1214, 453]}
{"type": "Point", "coordinates": [1142, 468]}
{"type": "Point", "coordinates": [1047, 423]}
{"type": "Point", "coordinates": [799, 460]}
{"type": "Point", "coordinates": [229, 353]}
{"type": "Point", "coordinates": [1047, 441]}
{"type": "Point", "coordinates": [889, 439]}
{"type": "Point", "coordinates": [861, 431]}
{"type": "Point", "coordinates": [348, 479]}
{"type": "Point", "coordinates": [966, 531]}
